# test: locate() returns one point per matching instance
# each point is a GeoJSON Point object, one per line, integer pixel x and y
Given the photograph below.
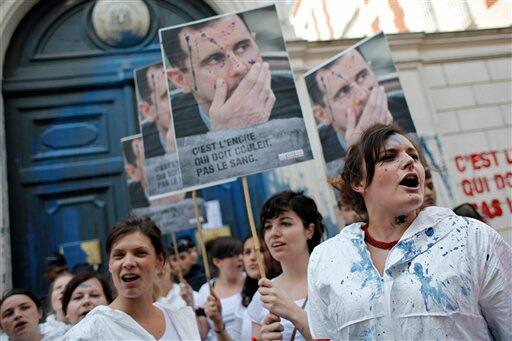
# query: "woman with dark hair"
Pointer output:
{"type": "Point", "coordinates": [243, 324]}
{"type": "Point", "coordinates": [136, 255]}
{"type": "Point", "coordinates": [83, 293]}
{"type": "Point", "coordinates": [20, 313]}
{"type": "Point", "coordinates": [225, 255]}
{"type": "Point", "coordinates": [55, 323]}
{"type": "Point", "coordinates": [406, 273]}
{"type": "Point", "coordinates": [291, 227]}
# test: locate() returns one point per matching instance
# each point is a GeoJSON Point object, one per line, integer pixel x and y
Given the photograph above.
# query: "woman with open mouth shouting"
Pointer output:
{"type": "Point", "coordinates": [136, 255]}
{"type": "Point", "coordinates": [20, 312]}
{"type": "Point", "coordinates": [406, 273]}
{"type": "Point", "coordinates": [291, 227]}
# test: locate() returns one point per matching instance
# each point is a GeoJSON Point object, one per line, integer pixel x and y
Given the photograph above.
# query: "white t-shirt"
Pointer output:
{"type": "Point", "coordinates": [245, 323]}
{"type": "Point", "coordinates": [170, 331]}
{"type": "Point", "coordinates": [173, 297]}
{"type": "Point", "coordinates": [256, 312]}
{"type": "Point", "coordinates": [230, 306]}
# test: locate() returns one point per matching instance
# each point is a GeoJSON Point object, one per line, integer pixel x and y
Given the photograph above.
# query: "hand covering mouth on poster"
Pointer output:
{"type": "Point", "coordinates": [352, 91]}
{"type": "Point", "coordinates": [235, 109]}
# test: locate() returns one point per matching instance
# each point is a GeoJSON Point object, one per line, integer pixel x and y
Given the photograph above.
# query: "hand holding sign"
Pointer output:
{"type": "Point", "coordinates": [249, 104]}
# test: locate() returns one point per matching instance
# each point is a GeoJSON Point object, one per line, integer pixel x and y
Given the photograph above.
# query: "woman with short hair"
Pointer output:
{"type": "Point", "coordinates": [83, 293]}
{"type": "Point", "coordinates": [20, 313]}
{"type": "Point", "coordinates": [406, 273]}
{"type": "Point", "coordinates": [136, 255]}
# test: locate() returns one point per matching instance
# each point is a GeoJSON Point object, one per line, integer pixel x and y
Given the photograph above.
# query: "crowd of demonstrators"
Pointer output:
{"type": "Point", "coordinates": [402, 268]}
{"type": "Point", "coordinates": [406, 273]}
{"type": "Point", "coordinates": [242, 329]}
{"type": "Point", "coordinates": [291, 227]}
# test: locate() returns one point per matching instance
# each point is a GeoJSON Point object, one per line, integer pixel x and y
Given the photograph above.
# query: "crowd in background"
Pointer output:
{"type": "Point", "coordinates": [402, 267]}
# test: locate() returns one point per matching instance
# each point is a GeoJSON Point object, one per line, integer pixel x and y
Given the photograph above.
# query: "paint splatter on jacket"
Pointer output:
{"type": "Point", "coordinates": [447, 278]}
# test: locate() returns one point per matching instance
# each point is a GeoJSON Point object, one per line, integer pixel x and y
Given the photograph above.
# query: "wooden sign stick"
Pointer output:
{"type": "Point", "coordinates": [259, 256]}
{"type": "Point", "coordinates": [178, 260]}
{"type": "Point", "coordinates": [199, 226]}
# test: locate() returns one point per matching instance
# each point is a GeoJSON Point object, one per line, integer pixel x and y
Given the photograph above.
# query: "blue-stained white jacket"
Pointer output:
{"type": "Point", "coordinates": [447, 278]}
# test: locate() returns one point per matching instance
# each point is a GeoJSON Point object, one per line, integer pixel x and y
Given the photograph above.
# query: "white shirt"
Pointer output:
{"type": "Point", "coordinates": [230, 305]}
{"type": "Point", "coordinates": [52, 329]}
{"type": "Point", "coordinates": [245, 324]}
{"type": "Point", "coordinates": [256, 312]}
{"type": "Point", "coordinates": [447, 278]}
{"type": "Point", "coordinates": [105, 323]}
{"type": "Point", "coordinates": [170, 332]}
{"type": "Point", "coordinates": [173, 297]}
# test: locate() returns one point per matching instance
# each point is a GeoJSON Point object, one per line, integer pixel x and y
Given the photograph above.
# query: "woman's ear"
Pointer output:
{"type": "Point", "coordinates": [159, 263]}
{"type": "Point", "coordinates": [310, 231]}
{"type": "Point", "coordinates": [216, 262]}
{"type": "Point", "coordinates": [359, 187]}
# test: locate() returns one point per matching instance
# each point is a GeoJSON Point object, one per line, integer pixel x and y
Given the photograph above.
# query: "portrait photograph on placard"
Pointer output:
{"type": "Point", "coordinates": [352, 91]}
{"type": "Point", "coordinates": [154, 113]}
{"type": "Point", "coordinates": [171, 213]}
{"type": "Point", "coordinates": [234, 103]}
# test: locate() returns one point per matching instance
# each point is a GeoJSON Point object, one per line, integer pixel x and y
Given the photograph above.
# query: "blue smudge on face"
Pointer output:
{"type": "Point", "coordinates": [365, 267]}
{"type": "Point", "coordinates": [429, 232]}
{"type": "Point", "coordinates": [430, 292]}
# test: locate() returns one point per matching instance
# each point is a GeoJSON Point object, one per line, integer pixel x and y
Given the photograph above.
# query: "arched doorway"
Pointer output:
{"type": "Point", "coordinates": [68, 100]}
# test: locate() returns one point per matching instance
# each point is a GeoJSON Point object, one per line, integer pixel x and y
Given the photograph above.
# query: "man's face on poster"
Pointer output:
{"type": "Point", "coordinates": [159, 110]}
{"type": "Point", "coordinates": [138, 171]}
{"type": "Point", "coordinates": [223, 49]}
{"type": "Point", "coordinates": [347, 84]}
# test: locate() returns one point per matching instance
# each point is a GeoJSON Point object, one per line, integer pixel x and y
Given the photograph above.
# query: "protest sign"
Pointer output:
{"type": "Point", "coordinates": [352, 91]}
{"type": "Point", "coordinates": [235, 109]}
{"type": "Point", "coordinates": [171, 213]}
{"type": "Point", "coordinates": [154, 113]}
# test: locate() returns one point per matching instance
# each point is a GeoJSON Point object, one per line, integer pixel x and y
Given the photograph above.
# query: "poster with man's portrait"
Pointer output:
{"type": "Point", "coordinates": [235, 109]}
{"type": "Point", "coordinates": [154, 113]}
{"type": "Point", "coordinates": [171, 213]}
{"type": "Point", "coordinates": [352, 91]}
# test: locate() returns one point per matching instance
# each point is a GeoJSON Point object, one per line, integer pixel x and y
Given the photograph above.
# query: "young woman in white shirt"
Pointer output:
{"type": "Point", "coordinates": [406, 273]}
{"type": "Point", "coordinates": [136, 255]}
{"type": "Point", "coordinates": [225, 254]}
{"type": "Point", "coordinates": [243, 324]}
{"type": "Point", "coordinates": [55, 323]}
{"type": "Point", "coordinates": [291, 226]}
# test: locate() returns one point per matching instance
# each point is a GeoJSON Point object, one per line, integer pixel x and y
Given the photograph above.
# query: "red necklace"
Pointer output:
{"type": "Point", "coordinates": [373, 242]}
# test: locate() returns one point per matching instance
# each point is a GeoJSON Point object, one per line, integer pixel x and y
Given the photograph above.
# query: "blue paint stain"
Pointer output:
{"type": "Point", "coordinates": [365, 268]}
{"type": "Point", "coordinates": [429, 232]}
{"type": "Point", "coordinates": [433, 293]}
{"type": "Point", "coordinates": [408, 249]}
